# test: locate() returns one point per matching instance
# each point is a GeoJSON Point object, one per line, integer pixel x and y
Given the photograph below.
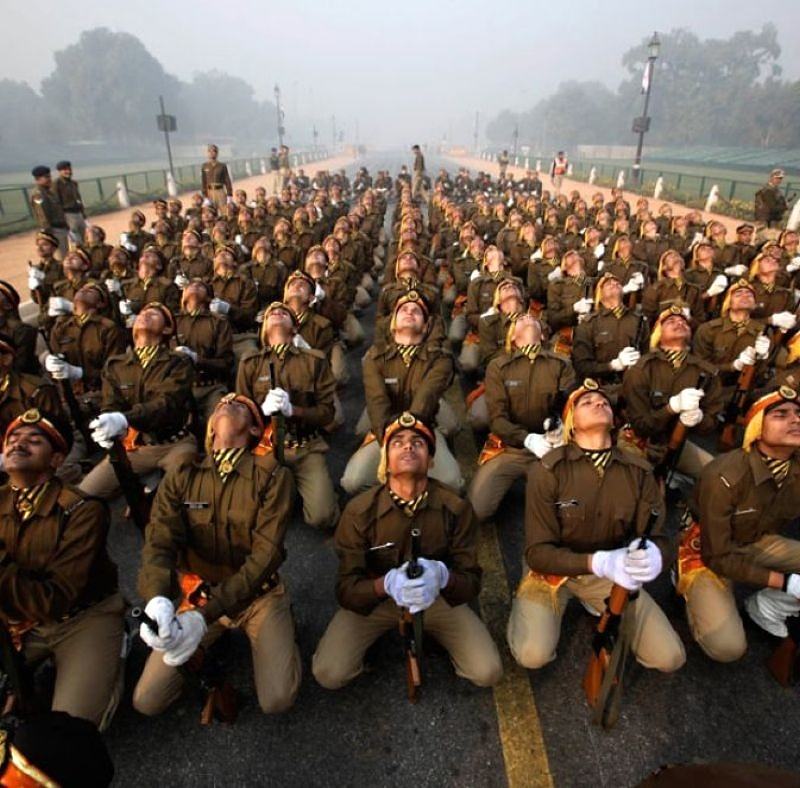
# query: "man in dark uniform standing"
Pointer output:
{"type": "Point", "coordinates": [216, 179]}
{"type": "Point", "coordinates": [770, 204]}
{"type": "Point", "coordinates": [46, 208]}
{"type": "Point", "coordinates": [419, 171]}
{"type": "Point", "coordinates": [69, 197]}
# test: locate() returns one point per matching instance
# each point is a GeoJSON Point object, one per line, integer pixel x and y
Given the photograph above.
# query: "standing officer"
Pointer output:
{"type": "Point", "coordinates": [223, 519]}
{"type": "Point", "coordinates": [47, 210]}
{"type": "Point", "coordinates": [502, 160]}
{"type": "Point", "coordinates": [586, 506]}
{"type": "Point", "coordinates": [558, 169]}
{"type": "Point", "coordinates": [69, 196]}
{"type": "Point", "coordinates": [770, 205]}
{"type": "Point", "coordinates": [216, 181]}
{"type": "Point", "coordinates": [373, 542]}
{"type": "Point", "coordinates": [419, 172]}
{"type": "Point", "coordinates": [57, 583]}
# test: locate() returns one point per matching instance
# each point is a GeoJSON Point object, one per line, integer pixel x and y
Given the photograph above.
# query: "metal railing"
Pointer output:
{"type": "Point", "coordinates": [100, 195]}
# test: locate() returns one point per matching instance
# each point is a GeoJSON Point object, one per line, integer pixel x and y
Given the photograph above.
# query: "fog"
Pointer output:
{"type": "Point", "coordinates": [391, 73]}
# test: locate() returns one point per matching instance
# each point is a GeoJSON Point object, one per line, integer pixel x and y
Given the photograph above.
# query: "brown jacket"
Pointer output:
{"type": "Point", "coordinates": [230, 534]}
{"type": "Point", "coordinates": [719, 342]}
{"type": "Point", "coordinates": [562, 295]}
{"type": "Point", "coordinates": [268, 278]}
{"type": "Point", "coordinates": [571, 512]}
{"type": "Point", "coordinates": [23, 392]}
{"type": "Point", "coordinates": [159, 288]}
{"type": "Point", "coordinates": [390, 387]}
{"type": "Point", "coordinates": [598, 340]}
{"type": "Point", "coordinates": [736, 502]}
{"type": "Point", "coordinates": [242, 297]}
{"type": "Point", "coordinates": [449, 534]}
{"type": "Point", "coordinates": [215, 175]}
{"type": "Point", "coordinates": [211, 337]}
{"type": "Point", "coordinates": [520, 395]}
{"type": "Point", "coordinates": [665, 292]}
{"type": "Point", "coordinates": [56, 562]}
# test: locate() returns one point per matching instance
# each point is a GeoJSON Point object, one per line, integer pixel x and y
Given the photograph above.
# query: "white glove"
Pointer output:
{"type": "Point", "coordinates": [299, 341]}
{"type": "Point", "coordinates": [187, 351]}
{"type": "Point", "coordinates": [540, 444]}
{"type": "Point", "coordinates": [600, 265]}
{"type": "Point", "coordinates": [35, 277]}
{"type": "Point", "coordinates": [192, 630]}
{"type": "Point", "coordinates": [434, 576]}
{"type": "Point", "coordinates": [475, 274]}
{"type": "Point", "coordinates": [784, 320]}
{"type": "Point", "coordinates": [162, 611]}
{"type": "Point", "coordinates": [319, 292]}
{"type": "Point", "coordinates": [793, 265]}
{"type": "Point", "coordinates": [761, 346]}
{"type": "Point", "coordinates": [717, 286]}
{"type": "Point", "coordinates": [537, 255]}
{"type": "Point", "coordinates": [555, 275]}
{"type": "Point", "coordinates": [627, 357]}
{"type": "Point", "coordinates": [583, 306]}
{"type": "Point", "coordinates": [401, 588]}
{"type": "Point", "coordinates": [792, 585]}
{"type": "Point", "coordinates": [238, 239]}
{"type": "Point", "coordinates": [611, 565]}
{"type": "Point", "coordinates": [59, 306]}
{"type": "Point", "coordinates": [181, 280]}
{"type": "Point", "coordinates": [113, 286]}
{"type": "Point", "coordinates": [123, 238]}
{"type": "Point", "coordinates": [691, 418]}
{"type": "Point", "coordinates": [599, 251]}
{"type": "Point", "coordinates": [687, 399]}
{"type": "Point", "coordinates": [643, 564]}
{"type": "Point", "coordinates": [219, 307]}
{"type": "Point", "coordinates": [736, 270]}
{"type": "Point", "coordinates": [106, 427]}
{"type": "Point", "coordinates": [745, 359]}
{"type": "Point", "coordinates": [61, 370]}
{"type": "Point", "coordinates": [635, 283]}
{"type": "Point", "coordinates": [125, 307]}
{"type": "Point", "coordinates": [277, 400]}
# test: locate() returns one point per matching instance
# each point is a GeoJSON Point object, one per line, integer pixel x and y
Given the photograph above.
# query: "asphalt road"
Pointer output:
{"type": "Point", "coordinates": [368, 734]}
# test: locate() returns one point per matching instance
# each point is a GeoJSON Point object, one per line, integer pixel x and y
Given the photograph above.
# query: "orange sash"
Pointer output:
{"type": "Point", "coordinates": [459, 305]}
{"type": "Point", "coordinates": [563, 343]}
{"type": "Point", "coordinates": [535, 586]}
{"type": "Point", "coordinates": [368, 438]}
{"type": "Point", "coordinates": [690, 560]}
{"type": "Point", "coordinates": [493, 447]}
{"type": "Point", "coordinates": [131, 439]}
{"type": "Point", "coordinates": [536, 308]}
{"type": "Point", "coordinates": [471, 338]}
{"type": "Point", "coordinates": [264, 446]}
{"type": "Point", "coordinates": [477, 392]}
{"type": "Point", "coordinates": [194, 592]}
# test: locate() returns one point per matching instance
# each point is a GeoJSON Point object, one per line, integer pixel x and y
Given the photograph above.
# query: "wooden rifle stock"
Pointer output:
{"type": "Point", "coordinates": [278, 422]}
{"type": "Point", "coordinates": [735, 408]}
{"type": "Point", "coordinates": [411, 625]}
{"type": "Point", "coordinates": [132, 489]}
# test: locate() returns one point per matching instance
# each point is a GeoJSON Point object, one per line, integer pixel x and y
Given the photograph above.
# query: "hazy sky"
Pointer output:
{"type": "Point", "coordinates": [408, 69]}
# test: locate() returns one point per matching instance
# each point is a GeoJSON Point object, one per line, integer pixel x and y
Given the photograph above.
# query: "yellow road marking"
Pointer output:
{"type": "Point", "coordinates": [518, 725]}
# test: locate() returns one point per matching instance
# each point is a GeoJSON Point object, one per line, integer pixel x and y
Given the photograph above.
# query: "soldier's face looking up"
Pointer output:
{"type": "Point", "coordinates": [675, 329]}
{"type": "Point", "coordinates": [527, 331]}
{"type": "Point", "coordinates": [195, 296]}
{"type": "Point", "coordinates": [743, 298]}
{"type": "Point", "coordinates": [148, 324]}
{"type": "Point", "coordinates": [782, 426]}
{"type": "Point", "coordinates": [74, 264]}
{"type": "Point", "coordinates": [28, 449]}
{"type": "Point", "coordinates": [407, 452]}
{"type": "Point", "coordinates": [611, 293]}
{"type": "Point", "coordinates": [148, 265]}
{"type": "Point", "coordinates": [86, 301]}
{"type": "Point", "coordinates": [510, 300]}
{"type": "Point", "coordinates": [673, 265]}
{"type": "Point", "coordinates": [591, 412]}
{"type": "Point", "coordinates": [767, 270]}
{"type": "Point", "coordinates": [232, 425]}
{"type": "Point", "coordinates": [45, 248]}
{"type": "Point", "coordinates": [278, 323]}
{"type": "Point", "coordinates": [224, 264]}
{"type": "Point", "coordinates": [410, 317]}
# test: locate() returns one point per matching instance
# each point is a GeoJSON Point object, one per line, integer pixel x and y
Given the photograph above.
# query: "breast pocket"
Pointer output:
{"type": "Point", "coordinates": [571, 515]}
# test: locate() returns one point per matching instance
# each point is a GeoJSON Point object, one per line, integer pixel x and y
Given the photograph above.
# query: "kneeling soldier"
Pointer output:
{"type": "Point", "coordinates": [586, 504]}
{"type": "Point", "coordinates": [57, 584]}
{"type": "Point", "coordinates": [743, 503]}
{"type": "Point", "coordinates": [220, 521]}
{"type": "Point", "coordinates": [373, 541]}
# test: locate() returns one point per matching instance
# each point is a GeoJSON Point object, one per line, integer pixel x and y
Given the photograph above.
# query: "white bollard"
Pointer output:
{"type": "Point", "coordinates": [658, 188]}
{"type": "Point", "coordinates": [592, 175]}
{"type": "Point", "coordinates": [263, 167]}
{"type": "Point", "coordinates": [621, 179]}
{"type": "Point", "coordinates": [172, 186]}
{"type": "Point", "coordinates": [713, 197]}
{"type": "Point", "coordinates": [794, 217]}
{"type": "Point", "coordinates": [248, 169]}
{"type": "Point", "coordinates": [569, 171]}
{"type": "Point", "coordinates": [122, 195]}
{"type": "Point", "coordinates": [527, 163]}
{"type": "Point", "coordinates": [538, 165]}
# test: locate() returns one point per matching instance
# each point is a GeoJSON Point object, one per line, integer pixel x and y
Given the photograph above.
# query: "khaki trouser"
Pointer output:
{"type": "Point", "coordinates": [494, 478]}
{"type": "Point", "coordinates": [469, 359]}
{"type": "Point", "coordinates": [218, 195]}
{"type": "Point", "coordinates": [710, 604]}
{"type": "Point", "coordinates": [269, 626]}
{"type": "Point", "coordinates": [352, 331]}
{"type": "Point", "coordinates": [362, 468]}
{"type": "Point", "coordinates": [77, 226]}
{"type": "Point", "coordinates": [314, 484]}
{"type": "Point", "coordinates": [340, 654]}
{"type": "Point", "coordinates": [535, 625]}
{"type": "Point", "coordinates": [87, 651]}
{"type": "Point", "coordinates": [101, 481]}
{"type": "Point", "coordinates": [274, 182]}
{"type": "Point", "coordinates": [478, 413]}
{"type": "Point", "coordinates": [339, 364]}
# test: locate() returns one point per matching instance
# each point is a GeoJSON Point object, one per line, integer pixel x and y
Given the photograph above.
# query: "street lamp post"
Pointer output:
{"type": "Point", "coordinates": [642, 123]}
{"type": "Point", "coordinates": [515, 138]}
{"type": "Point", "coordinates": [279, 111]}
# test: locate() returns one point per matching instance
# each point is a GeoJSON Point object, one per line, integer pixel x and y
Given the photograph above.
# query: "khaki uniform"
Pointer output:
{"type": "Point", "coordinates": [24, 337]}
{"type": "Point", "coordinates": [231, 534]}
{"type": "Point", "coordinates": [141, 292]}
{"type": "Point", "coordinates": [770, 205]}
{"type": "Point", "coordinates": [562, 295]}
{"type": "Point", "coordinates": [720, 342]}
{"type": "Point", "coordinates": [19, 391]}
{"type": "Point", "coordinates": [210, 336]}
{"type": "Point", "coordinates": [570, 513]}
{"type": "Point", "coordinates": [269, 279]}
{"type": "Point", "coordinates": [666, 292]}
{"type": "Point", "coordinates": [305, 375]}
{"type": "Point", "coordinates": [771, 299]}
{"type": "Point", "coordinates": [53, 272]}
{"type": "Point", "coordinates": [69, 196]}
{"type": "Point", "coordinates": [158, 403]}
{"type": "Point", "coordinates": [216, 182]}
{"type": "Point", "coordinates": [742, 515]}
{"type": "Point", "coordinates": [597, 342]}
{"type": "Point", "coordinates": [56, 575]}
{"type": "Point", "coordinates": [49, 215]}
{"type": "Point", "coordinates": [520, 395]}
{"type": "Point", "coordinates": [391, 387]}
{"type": "Point", "coordinates": [199, 267]}
{"type": "Point", "coordinates": [449, 534]}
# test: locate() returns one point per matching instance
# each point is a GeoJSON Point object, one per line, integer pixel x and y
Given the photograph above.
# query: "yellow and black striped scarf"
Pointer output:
{"type": "Point", "coordinates": [676, 357]}
{"type": "Point", "coordinates": [778, 468]}
{"type": "Point", "coordinates": [407, 353]}
{"type": "Point", "coordinates": [408, 508]}
{"type": "Point", "coordinates": [599, 458]}
{"type": "Point", "coordinates": [303, 318]}
{"type": "Point", "coordinates": [146, 354]}
{"type": "Point", "coordinates": [82, 318]}
{"type": "Point", "coordinates": [225, 460]}
{"type": "Point", "coordinates": [618, 311]}
{"type": "Point", "coordinates": [280, 349]}
{"type": "Point", "coordinates": [26, 499]}
{"type": "Point", "coordinates": [741, 326]}
{"type": "Point", "coordinates": [530, 351]}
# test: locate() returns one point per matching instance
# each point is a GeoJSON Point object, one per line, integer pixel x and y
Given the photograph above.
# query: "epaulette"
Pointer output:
{"type": "Point", "coordinates": [553, 457]}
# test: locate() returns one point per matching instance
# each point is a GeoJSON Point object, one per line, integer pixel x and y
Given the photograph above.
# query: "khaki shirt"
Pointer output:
{"type": "Point", "coordinates": [571, 511]}
{"type": "Point", "coordinates": [159, 288]}
{"type": "Point", "coordinates": [56, 562]}
{"type": "Point", "coordinates": [736, 501]}
{"type": "Point", "coordinates": [211, 337]}
{"type": "Point", "coordinates": [27, 391]}
{"type": "Point", "coordinates": [449, 533]}
{"type": "Point", "coordinates": [158, 400]}
{"type": "Point", "coordinates": [69, 195]}
{"type": "Point", "coordinates": [199, 267]}
{"type": "Point", "coordinates": [47, 209]}
{"type": "Point", "coordinates": [521, 394]}
{"type": "Point", "coordinates": [242, 297]}
{"type": "Point", "coordinates": [598, 340]}
{"type": "Point", "coordinates": [719, 342]}
{"type": "Point", "coordinates": [215, 175]}
{"type": "Point", "coordinates": [390, 387]}
{"type": "Point", "coordinates": [268, 278]}
{"type": "Point", "coordinates": [666, 292]}
{"type": "Point", "coordinates": [231, 533]}
{"type": "Point", "coordinates": [562, 295]}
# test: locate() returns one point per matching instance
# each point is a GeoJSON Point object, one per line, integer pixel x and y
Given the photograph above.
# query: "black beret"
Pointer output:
{"type": "Point", "coordinates": [64, 165]}
{"type": "Point", "coordinates": [40, 170]}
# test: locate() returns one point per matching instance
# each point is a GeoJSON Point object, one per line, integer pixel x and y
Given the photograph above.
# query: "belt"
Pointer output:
{"type": "Point", "coordinates": [215, 185]}
{"type": "Point", "coordinates": [149, 440]}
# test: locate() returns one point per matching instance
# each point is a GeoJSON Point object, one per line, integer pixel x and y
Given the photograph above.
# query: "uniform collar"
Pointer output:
{"type": "Point", "coordinates": [46, 505]}
{"type": "Point", "coordinates": [385, 503]}
{"type": "Point", "coordinates": [245, 467]}
{"type": "Point", "coordinates": [762, 473]}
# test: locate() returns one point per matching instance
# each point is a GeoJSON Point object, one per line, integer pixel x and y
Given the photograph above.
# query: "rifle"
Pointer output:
{"type": "Point", "coordinates": [666, 468]}
{"type": "Point", "coordinates": [411, 626]}
{"type": "Point", "coordinates": [217, 695]}
{"type": "Point", "coordinates": [75, 412]}
{"type": "Point", "coordinates": [736, 407]}
{"type": "Point", "coordinates": [602, 681]}
{"type": "Point", "coordinates": [784, 663]}
{"type": "Point", "coordinates": [642, 332]}
{"type": "Point", "coordinates": [132, 489]}
{"type": "Point", "coordinates": [15, 686]}
{"type": "Point", "coordinates": [278, 422]}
